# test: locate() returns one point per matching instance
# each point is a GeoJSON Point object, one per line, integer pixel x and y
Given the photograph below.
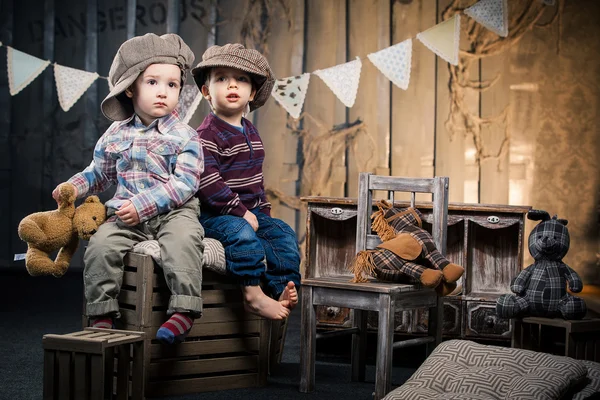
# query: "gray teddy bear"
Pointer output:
{"type": "Point", "coordinates": [541, 289]}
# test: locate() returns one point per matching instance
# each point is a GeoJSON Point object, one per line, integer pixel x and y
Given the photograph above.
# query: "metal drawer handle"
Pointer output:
{"type": "Point", "coordinates": [492, 219]}
{"type": "Point", "coordinates": [336, 211]}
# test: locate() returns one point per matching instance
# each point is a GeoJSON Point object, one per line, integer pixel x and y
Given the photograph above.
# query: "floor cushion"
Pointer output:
{"type": "Point", "coordinates": [462, 369]}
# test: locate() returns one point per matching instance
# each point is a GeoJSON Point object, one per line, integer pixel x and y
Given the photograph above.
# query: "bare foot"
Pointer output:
{"type": "Point", "coordinates": [256, 302]}
{"type": "Point", "coordinates": [289, 296]}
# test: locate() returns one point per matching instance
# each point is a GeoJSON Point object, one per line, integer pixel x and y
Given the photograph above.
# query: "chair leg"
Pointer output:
{"type": "Point", "coordinates": [385, 341]}
{"type": "Point", "coordinates": [308, 340]}
{"type": "Point", "coordinates": [359, 346]}
{"type": "Point", "coordinates": [435, 324]}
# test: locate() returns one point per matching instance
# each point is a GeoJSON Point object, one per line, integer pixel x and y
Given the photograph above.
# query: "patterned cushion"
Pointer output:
{"type": "Point", "coordinates": [214, 254]}
{"type": "Point", "coordinates": [591, 384]}
{"type": "Point", "coordinates": [461, 369]}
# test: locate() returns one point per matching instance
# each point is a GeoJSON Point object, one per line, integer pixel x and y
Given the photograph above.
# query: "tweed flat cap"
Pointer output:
{"type": "Point", "coordinates": [132, 58]}
{"type": "Point", "coordinates": [235, 55]}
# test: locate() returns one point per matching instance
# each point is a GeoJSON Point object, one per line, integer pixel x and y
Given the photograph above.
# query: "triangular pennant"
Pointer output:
{"type": "Point", "coordinates": [443, 39]}
{"type": "Point", "coordinates": [22, 69]}
{"type": "Point", "coordinates": [71, 83]}
{"type": "Point", "coordinates": [343, 80]}
{"type": "Point", "coordinates": [394, 62]}
{"type": "Point", "coordinates": [291, 92]}
{"type": "Point", "coordinates": [189, 99]}
{"type": "Point", "coordinates": [493, 14]}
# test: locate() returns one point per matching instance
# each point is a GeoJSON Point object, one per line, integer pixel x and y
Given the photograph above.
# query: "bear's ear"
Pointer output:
{"type": "Point", "coordinates": [92, 199]}
{"type": "Point", "coordinates": [563, 221]}
{"type": "Point", "coordinates": [538, 215]}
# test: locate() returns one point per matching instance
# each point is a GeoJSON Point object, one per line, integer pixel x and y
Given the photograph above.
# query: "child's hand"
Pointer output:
{"type": "Point", "coordinates": [56, 191]}
{"type": "Point", "coordinates": [128, 214]}
{"type": "Point", "coordinates": [251, 219]}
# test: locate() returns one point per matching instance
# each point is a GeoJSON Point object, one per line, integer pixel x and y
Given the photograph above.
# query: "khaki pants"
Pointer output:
{"type": "Point", "coordinates": [180, 236]}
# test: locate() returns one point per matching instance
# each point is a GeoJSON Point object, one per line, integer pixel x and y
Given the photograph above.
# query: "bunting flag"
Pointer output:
{"type": "Point", "coordinates": [443, 39]}
{"type": "Point", "coordinates": [343, 80]}
{"type": "Point", "coordinates": [71, 83]}
{"type": "Point", "coordinates": [493, 14]}
{"type": "Point", "coordinates": [291, 92]}
{"type": "Point", "coordinates": [394, 62]}
{"type": "Point", "coordinates": [189, 99]}
{"type": "Point", "coordinates": [22, 69]}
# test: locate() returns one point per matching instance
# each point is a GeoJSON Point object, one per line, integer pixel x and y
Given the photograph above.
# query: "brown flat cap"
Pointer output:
{"type": "Point", "coordinates": [235, 55]}
{"type": "Point", "coordinates": [132, 58]}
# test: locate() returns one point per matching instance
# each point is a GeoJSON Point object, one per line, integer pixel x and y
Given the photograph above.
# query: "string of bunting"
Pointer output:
{"type": "Point", "coordinates": [393, 62]}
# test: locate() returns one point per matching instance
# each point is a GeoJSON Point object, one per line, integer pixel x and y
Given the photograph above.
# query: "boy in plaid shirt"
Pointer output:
{"type": "Point", "coordinates": [156, 162]}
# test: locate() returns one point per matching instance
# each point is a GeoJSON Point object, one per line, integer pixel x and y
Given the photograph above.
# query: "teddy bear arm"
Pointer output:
{"type": "Point", "coordinates": [573, 279]}
{"type": "Point", "coordinates": [519, 285]}
{"type": "Point", "coordinates": [38, 262]}
{"type": "Point", "coordinates": [64, 256]}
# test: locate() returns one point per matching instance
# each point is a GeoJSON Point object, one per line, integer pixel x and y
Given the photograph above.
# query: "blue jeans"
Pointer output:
{"type": "Point", "coordinates": [246, 250]}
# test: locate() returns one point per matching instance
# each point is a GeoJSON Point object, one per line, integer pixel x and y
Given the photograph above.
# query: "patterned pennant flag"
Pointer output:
{"type": "Point", "coordinates": [394, 62]}
{"type": "Point", "coordinates": [189, 99]}
{"type": "Point", "coordinates": [443, 39]}
{"type": "Point", "coordinates": [291, 92]}
{"type": "Point", "coordinates": [22, 69]}
{"type": "Point", "coordinates": [343, 80]}
{"type": "Point", "coordinates": [493, 14]}
{"type": "Point", "coordinates": [71, 83]}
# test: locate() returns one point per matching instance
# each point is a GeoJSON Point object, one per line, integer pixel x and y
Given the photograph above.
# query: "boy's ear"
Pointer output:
{"type": "Point", "coordinates": [129, 92]}
{"type": "Point", "coordinates": [205, 92]}
{"type": "Point", "coordinates": [252, 94]}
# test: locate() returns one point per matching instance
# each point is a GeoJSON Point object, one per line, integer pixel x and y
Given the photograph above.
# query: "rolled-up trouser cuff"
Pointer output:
{"type": "Point", "coordinates": [103, 308]}
{"type": "Point", "coordinates": [185, 304]}
{"type": "Point", "coordinates": [251, 282]}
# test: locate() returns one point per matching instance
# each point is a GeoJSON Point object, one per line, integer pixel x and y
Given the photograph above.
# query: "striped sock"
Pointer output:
{"type": "Point", "coordinates": [175, 329]}
{"type": "Point", "coordinates": [102, 322]}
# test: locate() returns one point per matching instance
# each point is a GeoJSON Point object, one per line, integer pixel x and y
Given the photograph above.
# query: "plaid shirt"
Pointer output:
{"type": "Point", "coordinates": [157, 167]}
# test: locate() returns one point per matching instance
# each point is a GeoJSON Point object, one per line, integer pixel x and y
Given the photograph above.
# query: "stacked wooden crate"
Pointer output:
{"type": "Point", "coordinates": [227, 348]}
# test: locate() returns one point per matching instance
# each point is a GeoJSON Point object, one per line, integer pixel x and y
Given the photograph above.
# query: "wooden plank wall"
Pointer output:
{"type": "Point", "coordinates": [407, 129]}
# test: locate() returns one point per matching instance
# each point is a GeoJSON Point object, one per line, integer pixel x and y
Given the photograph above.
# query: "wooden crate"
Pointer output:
{"type": "Point", "coordinates": [579, 339]}
{"type": "Point", "coordinates": [81, 365]}
{"type": "Point", "coordinates": [227, 348]}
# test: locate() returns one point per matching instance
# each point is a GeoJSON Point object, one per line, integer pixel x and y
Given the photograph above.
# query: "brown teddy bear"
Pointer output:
{"type": "Point", "coordinates": [61, 229]}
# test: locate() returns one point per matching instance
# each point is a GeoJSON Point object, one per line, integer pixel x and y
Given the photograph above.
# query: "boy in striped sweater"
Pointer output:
{"type": "Point", "coordinates": [234, 207]}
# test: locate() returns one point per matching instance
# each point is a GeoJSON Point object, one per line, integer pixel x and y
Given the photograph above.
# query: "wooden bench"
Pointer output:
{"type": "Point", "coordinates": [81, 365]}
{"type": "Point", "coordinates": [227, 348]}
{"type": "Point", "coordinates": [579, 339]}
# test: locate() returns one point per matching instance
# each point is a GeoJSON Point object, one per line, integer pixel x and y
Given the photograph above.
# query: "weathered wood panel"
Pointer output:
{"type": "Point", "coordinates": [449, 145]}
{"type": "Point", "coordinates": [285, 51]}
{"type": "Point", "coordinates": [413, 125]}
{"type": "Point", "coordinates": [27, 124]}
{"type": "Point", "coordinates": [369, 31]}
{"type": "Point", "coordinates": [325, 47]}
{"type": "Point", "coordinates": [494, 170]}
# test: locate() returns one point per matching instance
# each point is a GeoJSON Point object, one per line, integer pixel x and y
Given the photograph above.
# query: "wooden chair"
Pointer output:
{"type": "Point", "coordinates": [384, 298]}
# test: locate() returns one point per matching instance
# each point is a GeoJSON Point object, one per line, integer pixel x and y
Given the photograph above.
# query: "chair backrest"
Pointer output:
{"type": "Point", "coordinates": [368, 182]}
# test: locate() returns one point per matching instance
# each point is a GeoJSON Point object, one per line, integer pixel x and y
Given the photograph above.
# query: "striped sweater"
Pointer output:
{"type": "Point", "coordinates": [232, 181]}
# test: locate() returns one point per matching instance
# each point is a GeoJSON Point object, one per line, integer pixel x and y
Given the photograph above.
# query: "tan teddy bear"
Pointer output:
{"type": "Point", "coordinates": [61, 229]}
